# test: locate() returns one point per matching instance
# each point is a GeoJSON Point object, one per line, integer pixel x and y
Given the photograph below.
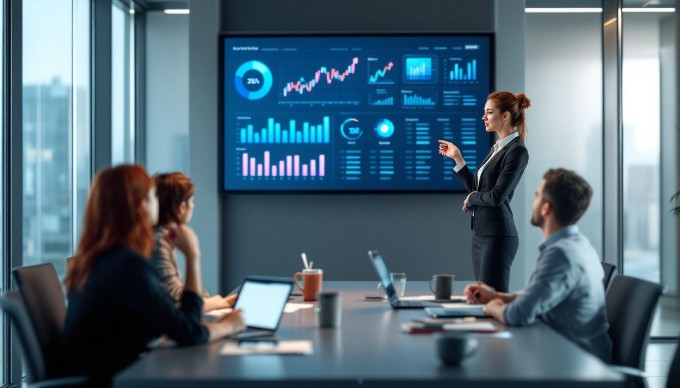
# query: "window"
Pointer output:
{"type": "Point", "coordinates": [122, 87]}
{"type": "Point", "coordinates": [56, 140]}
{"type": "Point", "coordinates": [3, 192]}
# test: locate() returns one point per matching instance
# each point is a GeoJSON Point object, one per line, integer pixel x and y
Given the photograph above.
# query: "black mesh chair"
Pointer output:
{"type": "Point", "coordinates": [674, 371]}
{"type": "Point", "coordinates": [630, 304]}
{"type": "Point", "coordinates": [609, 270]}
{"type": "Point", "coordinates": [35, 365]}
{"type": "Point", "coordinates": [45, 304]}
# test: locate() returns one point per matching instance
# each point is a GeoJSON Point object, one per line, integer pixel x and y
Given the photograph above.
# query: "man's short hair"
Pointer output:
{"type": "Point", "coordinates": [568, 193]}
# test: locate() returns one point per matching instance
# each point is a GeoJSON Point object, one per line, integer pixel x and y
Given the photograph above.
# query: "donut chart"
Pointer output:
{"type": "Point", "coordinates": [384, 129]}
{"type": "Point", "coordinates": [253, 80]}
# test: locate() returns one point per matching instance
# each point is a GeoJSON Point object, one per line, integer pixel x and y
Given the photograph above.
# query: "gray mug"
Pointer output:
{"type": "Point", "coordinates": [330, 309]}
{"type": "Point", "coordinates": [442, 286]}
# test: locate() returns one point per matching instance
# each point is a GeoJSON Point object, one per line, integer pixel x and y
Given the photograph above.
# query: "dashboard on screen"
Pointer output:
{"type": "Point", "coordinates": [351, 113]}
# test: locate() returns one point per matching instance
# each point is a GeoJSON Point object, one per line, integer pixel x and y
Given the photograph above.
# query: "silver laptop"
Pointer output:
{"type": "Point", "coordinates": [386, 281]}
{"type": "Point", "coordinates": [262, 300]}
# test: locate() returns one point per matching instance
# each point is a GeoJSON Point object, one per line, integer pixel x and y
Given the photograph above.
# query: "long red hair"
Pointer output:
{"type": "Point", "coordinates": [114, 215]}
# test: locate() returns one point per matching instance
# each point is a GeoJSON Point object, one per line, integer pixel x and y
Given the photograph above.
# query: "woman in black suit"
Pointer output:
{"type": "Point", "coordinates": [494, 235]}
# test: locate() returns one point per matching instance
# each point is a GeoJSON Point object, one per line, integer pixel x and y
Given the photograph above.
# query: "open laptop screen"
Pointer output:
{"type": "Point", "coordinates": [383, 273]}
{"type": "Point", "coordinates": [262, 302]}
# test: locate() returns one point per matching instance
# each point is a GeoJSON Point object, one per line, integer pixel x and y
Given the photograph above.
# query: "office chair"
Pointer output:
{"type": "Point", "coordinates": [34, 361]}
{"type": "Point", "coordinates": [609, 270]}
{"type": "Point", "coordinates": [630, 304]}
{"type": "Point", "coordinates": [45, 304]}
{"type": "Point", "coordinates": [674, 371]}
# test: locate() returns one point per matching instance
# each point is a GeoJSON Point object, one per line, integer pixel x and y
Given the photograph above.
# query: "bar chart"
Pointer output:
{"type": "Point", "coordinates": [464, 72]}
{"type": "Point", "coordinates": [275, 133]}
{"type": "Point", "coordinates": [286, 166]}
{"type": "Point", "coordinates": [418, 69]}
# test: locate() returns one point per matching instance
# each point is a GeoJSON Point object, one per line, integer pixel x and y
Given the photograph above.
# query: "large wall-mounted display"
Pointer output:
{"type": "Point", "coordinates": [351, 113]}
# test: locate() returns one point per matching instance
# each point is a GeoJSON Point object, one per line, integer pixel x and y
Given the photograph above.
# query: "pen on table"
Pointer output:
{"type": "Point", "coordinates": [304, 260]}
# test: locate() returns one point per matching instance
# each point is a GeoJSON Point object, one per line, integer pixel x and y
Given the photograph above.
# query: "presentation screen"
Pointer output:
{"type": "Point", "coordinates": [351, 113]}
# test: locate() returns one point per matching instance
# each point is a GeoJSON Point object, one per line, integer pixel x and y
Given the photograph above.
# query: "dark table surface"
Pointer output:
{"type": "Point", "coordinates": [369, 349]}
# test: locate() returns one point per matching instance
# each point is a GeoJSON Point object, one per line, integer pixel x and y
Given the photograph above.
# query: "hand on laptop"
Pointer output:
{"type": "Point", "coordinates": [217, 302]}
{"type": "Point", "coordinates": [479, 293]}
{"type": "Point", "coordinates": [229, 324]}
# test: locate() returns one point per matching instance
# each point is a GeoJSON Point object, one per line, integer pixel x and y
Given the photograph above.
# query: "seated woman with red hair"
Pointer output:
{"type": "Point", "coordinates": [116, 303]}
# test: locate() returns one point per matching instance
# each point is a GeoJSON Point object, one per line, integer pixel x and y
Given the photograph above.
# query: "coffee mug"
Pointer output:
{"type": "Point", "coordinates": [330, 309]}
{"type": "Point", "coordinates": [312, 280]}
{"type": "Point", "coordinates": [442, 286]}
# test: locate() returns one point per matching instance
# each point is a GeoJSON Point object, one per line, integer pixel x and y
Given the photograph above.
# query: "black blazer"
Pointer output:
{"type": "Point", "coordinates": [492, 215]}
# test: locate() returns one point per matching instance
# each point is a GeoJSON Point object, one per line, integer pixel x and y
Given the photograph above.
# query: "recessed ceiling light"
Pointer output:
{"type": "Point", "coordinates": [176, 11]}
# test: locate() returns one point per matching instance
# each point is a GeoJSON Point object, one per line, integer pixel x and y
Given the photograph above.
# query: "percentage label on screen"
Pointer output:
{"type": "Point", "coordinates": [253, 81]}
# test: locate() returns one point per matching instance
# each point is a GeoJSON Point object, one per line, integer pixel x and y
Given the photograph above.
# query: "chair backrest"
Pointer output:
{"type": "Point", "coordinates": [674, 371]}
{"type": "Point", "coordinates": [45, 304]}
{"type": "Point", "coordinates": [630, 304]}
{"type": "Point", "coordinates": [13, 307]}
{"type": "Point", "coordinates": [608, 273]}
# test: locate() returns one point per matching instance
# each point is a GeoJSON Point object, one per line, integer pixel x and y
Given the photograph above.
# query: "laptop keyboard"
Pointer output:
{"type": "Point", "coordinates": [413, 303]}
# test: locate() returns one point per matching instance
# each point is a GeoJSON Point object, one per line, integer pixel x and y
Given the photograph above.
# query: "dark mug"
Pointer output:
{"type": "Point", "coordinates": [442, 286]}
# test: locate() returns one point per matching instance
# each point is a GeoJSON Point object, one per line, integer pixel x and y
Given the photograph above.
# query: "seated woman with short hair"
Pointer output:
{"type": "Point", "coordinates": [175, 193]}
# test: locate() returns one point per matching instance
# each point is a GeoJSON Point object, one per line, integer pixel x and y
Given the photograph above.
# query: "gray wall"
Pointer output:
{"type": "Point", "coordinates": [203, 152]}
{"type": "Point", "coordinates": [419, 234]}
{"type": "Point", "coordinates": [167, 91]}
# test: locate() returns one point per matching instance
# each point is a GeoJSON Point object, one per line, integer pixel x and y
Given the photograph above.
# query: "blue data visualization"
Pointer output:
{"type": "Point", "coordinates": [351, 112]}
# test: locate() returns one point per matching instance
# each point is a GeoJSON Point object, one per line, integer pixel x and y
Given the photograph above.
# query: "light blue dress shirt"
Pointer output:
{"type": "Point", "coordinates": [566, 292]}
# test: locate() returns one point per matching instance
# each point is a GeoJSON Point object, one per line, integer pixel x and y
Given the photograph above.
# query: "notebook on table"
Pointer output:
{"type": "Point", "coordinates": [262, 301]}
{"type": "Point", "coordinates": [392, 297]}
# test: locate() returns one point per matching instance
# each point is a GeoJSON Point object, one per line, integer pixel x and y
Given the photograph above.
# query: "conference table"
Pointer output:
{"type": "Point", "coordinates": [369, 349]}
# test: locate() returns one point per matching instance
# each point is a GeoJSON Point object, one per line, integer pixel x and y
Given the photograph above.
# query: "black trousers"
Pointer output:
{"type": "Point", "coordinates": [492, 257]}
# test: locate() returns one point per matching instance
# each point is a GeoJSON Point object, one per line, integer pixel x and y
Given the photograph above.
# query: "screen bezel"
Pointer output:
{"type": "Point", "coordinates": [221, 113]}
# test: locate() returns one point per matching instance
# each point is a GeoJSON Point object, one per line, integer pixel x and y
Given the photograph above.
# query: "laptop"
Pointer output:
{"type": "Point", "coordinates": [386, 281]}
{"type": "Point", "coordinates": [262, 300]}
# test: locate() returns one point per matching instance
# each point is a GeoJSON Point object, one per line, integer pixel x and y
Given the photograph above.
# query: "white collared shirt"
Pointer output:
{"type": "Point", "coordinates": [496, 148]}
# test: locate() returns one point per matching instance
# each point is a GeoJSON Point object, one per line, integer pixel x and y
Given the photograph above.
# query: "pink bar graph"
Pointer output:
{"type": "Point", "coordinates": [286, 166]}
{"type": "Point", "coordinates": [266, 163]}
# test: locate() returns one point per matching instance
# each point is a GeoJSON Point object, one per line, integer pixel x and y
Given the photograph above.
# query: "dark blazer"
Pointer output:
{"type": "Point", "coordinates": [491, 202]}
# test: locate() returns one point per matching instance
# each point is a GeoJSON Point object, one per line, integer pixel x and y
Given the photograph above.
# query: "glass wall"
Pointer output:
{"type": "Point", "coordinates": [47, 146]}
{"type": "Point", "coordinates": [641, 139]}
{"type": "Point", "coordinates": [122, 87]}
{"type": "Point", "coordinates": [82, 139]}
{"type": "Point", "coordinates": [645, 208]}
{"type": "Point", "coordinates": [564, 81]}
{"type": "Point", "coordinates": [56, 138]}
{"type": "Point", "coordinates": [3, 191]}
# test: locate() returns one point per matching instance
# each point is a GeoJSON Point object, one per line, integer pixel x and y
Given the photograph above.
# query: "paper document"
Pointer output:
{"type": "Point", "coordinates": [290, 308]}
{"type": "Point", "coordinates": [454, 298]}
{"type": "Point", "coordinates": [218, 313]}
{"type": "Point", "coordinates": [293, 307]}
{"type": "Point", "coordinates": [233, 348]}
{"type": "Point", "coordinates": [419, 327]}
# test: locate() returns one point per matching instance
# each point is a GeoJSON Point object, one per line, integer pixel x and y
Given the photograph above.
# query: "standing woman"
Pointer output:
{"type": "Point", "coordinates": [116, 303]}
{"type": "Point", "coordinates": [494, 235]}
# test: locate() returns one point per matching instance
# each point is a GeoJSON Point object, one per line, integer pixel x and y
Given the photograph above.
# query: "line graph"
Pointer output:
{"type": "Point", "coordinates": [302, 86]}
{"type": "Point", "coordinates": [379, 74]}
